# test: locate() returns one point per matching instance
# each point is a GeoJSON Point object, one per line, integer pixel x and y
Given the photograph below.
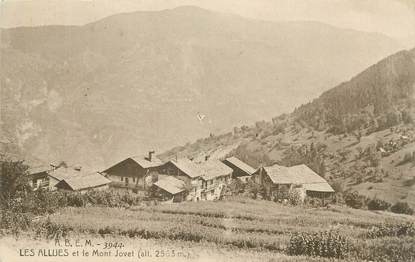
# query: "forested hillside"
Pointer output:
{"type": "Point", "coordinates": [360, 135]}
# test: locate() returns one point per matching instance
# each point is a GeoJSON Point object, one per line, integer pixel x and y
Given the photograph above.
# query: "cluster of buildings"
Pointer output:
{"type": "Point", "coordinates": [182, 179]}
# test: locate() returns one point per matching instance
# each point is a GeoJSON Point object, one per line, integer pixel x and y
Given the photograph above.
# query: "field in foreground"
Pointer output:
{"type": "Point", "coordinates": [231, 230]}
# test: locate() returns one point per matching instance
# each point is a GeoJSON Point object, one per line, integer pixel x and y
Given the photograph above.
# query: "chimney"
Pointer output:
{"type": "Point", "coordinates": [207, 157]}
{"type": "Point", "coordinates": [150, 154]}
{"type": "Point", "coordinates": [77, 168]}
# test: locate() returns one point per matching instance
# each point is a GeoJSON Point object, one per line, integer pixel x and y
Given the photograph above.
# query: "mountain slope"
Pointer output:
{"type": "Point", "coordinates": [131, 82]}
{"type": "Point", "coordinates": [360, 135]}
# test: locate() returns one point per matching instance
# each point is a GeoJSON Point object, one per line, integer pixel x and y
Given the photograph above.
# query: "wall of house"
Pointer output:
{"type": "Point", "coordinates": [52, 183]}
{"type": "Point", "coordinates": [171, 170]}
{"type": "Point", "coordinates": [272, 191]}
{"type": "Point", "coordinates": [43, 180]}
{"type": "Point", "coordinates": [212, 189]}
{"type": "Point", "coordinates": [127, 174]}
{"type": "Point", "coordinates": [322, 195]}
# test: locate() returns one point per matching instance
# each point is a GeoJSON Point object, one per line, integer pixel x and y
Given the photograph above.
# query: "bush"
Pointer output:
{"type": "Point", "coordinates": [14, 222]}
{"type": "Point", "coordinates": [338, 199]}
{"type": "Point", "coordinates": [390, 230]}
{"type": "Point", "coordinates": [51, 230]}
{"type": "Point", "coordinates": [324, 244]}
{"type": "Point", "coordinates": [402, 208]}
{"type": "Point", "coordinates": [378, 204]}
{"type": "Point", "coordinates": [386, 250]}
{"type": "Point", "coordinates": [294, 197]}
{"type": "Point", "coordinates": [355, 200]}
{"type": "Point", "coordinates": [313, 202]}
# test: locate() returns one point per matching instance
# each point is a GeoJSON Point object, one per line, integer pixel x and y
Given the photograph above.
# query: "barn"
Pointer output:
{"type": "Point", "coordinates": [183, 169]}
{"type": "Point", "coordinates": [279, 180]}
{"type": "Point", "coordinates": [83, 183]}
{"type": "Point", "coordinates": [168, 188]}
{"type": "Point", "coordinates": [240, 169]}
{"type": "Point", "coordinates": [215, 175]}
{"type": "Point", "coordinates": [132, 172]}
{"type": "Point", "coordinates": [39, 178]}
{"type": "Point", "coordinates": [46, 177]}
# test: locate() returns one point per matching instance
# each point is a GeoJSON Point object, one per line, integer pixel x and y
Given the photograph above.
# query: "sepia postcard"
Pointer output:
{"type": "Point", "coordinates": [207, 130]}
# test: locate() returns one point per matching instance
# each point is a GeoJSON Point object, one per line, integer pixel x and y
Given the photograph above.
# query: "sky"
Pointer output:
{"type": "Point", "coordinates": [395, 18]}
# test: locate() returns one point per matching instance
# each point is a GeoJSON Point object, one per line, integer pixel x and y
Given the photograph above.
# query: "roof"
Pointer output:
{"type": "Point", "coordinates": [170, 184]}
{"type": "Point", "coordinates": [144, 163]}
{"type": "Point", "coordinates": [64, 173]}
{"type": "Point", "coordinates": [300, 174]}
{"type": "Point", "coordinates": [186, 166]}
{"type": "Point", "coordinates": [319, 187]}
{"type": "Point", "coordinates": [213, 168]}
{"type": "Point", "coordinates": [90, 180]}
{"type": "Point", "coordinates": [38, 169]}
{"type": "Point", "coordinates": [241, 165]}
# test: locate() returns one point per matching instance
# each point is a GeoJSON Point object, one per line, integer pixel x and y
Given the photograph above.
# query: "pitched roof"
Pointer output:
{"type": "Point", "coordinates": [145, 163]}
{"type": "Point", "coordinates": [38, 169]}
{"type": "Point", "coordinates": [63, 173]}
{"type": "Point", "coordinates": [300, 174]}
{"type": "Point", "coordinates": [170, 184]}
{"type": "Point", "coordinates": [213, 168]}
{"type": "Point", "coordinates": [318, 187]}
{"type": "Point", "coordinates": [241, 165]}
{"type": "Point", "coordinates": [186, 166]}
{"type": "Point", "coordinates": [90, 180]}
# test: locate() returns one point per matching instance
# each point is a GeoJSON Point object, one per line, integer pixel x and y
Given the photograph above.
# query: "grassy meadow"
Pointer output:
{"type": "Point", "coordinates": [255, 229]}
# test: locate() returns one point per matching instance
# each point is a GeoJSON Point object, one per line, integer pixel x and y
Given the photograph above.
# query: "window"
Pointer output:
{"type": "Point", "coordinates": [133, 179]}
{"type": "Point", "coordinates": [122, 178]}
{"type": "Point", "coordinates": [211, 182]}
{"type": "Point", "coordinates": [34, 181]}
{"type": "Point", "coordinates": [126, 181]}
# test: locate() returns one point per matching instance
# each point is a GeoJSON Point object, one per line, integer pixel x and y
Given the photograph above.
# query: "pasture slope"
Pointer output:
{"type": "Point", "coordinates": [232, 230]}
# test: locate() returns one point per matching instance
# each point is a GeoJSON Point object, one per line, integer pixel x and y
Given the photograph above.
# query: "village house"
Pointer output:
{"type": "Point", "coordinates": [185, 170]}
{"type": "Point", "coordinates": [241, 170]}
{"type": "Point", "coordinates": [169, 188]}
{"type": "Point", "coordinates": [83, 183]}
{"type": "Point", "coordinates": [39, 178]}
{"type": "Point", "coordinates": [133, 172]}
{"type": "Point", "coordinates": [46, 177]}
{"type": "Point", "coordinates": [215, 176]}
{"type": "Point", "coordinates": [279, 180]}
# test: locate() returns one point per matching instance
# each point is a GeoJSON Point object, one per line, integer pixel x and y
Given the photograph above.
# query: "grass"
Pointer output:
{"type": "Point", "coordinates": [238, 225]}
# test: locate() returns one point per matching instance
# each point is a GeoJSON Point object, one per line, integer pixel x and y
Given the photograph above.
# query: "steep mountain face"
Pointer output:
{"type": "Point", "coordinates": [132, 82]}
{"type": "Point", "coordinates": [359, 135]}
{"type": "Point", "coordinates": [383, 88]}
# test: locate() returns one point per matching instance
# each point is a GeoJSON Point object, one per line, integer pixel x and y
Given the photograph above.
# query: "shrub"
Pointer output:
{"type": "Point", "coordinates": [313, 202]}
{"type": "Point", "coordinates": [402, 208]}
{"type": "Point", "coordinates": [338, 199]}
{"type": "Point", "coordinates": [378, 204]}
{"type": "Point", "coordinates": [390, 230]}
{"type": "Point", "coordinates": [51, 230]}
{"type": "Point", "coordinates": [386, 250]}
{"type": "Point", "coordinates": [14, 222]}
{"type": "Point", "coordinates": [324, 244]}
{"type": "Point", "coordinates": [354, 200]}
{"type": "Point", "coordinates": [13, 180]}
{"type": "Point", "coordinates": [294, 197]}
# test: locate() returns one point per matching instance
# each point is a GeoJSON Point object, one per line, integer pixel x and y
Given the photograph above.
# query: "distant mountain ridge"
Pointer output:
{"type": "Point", "coordinates": [128, 83]}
